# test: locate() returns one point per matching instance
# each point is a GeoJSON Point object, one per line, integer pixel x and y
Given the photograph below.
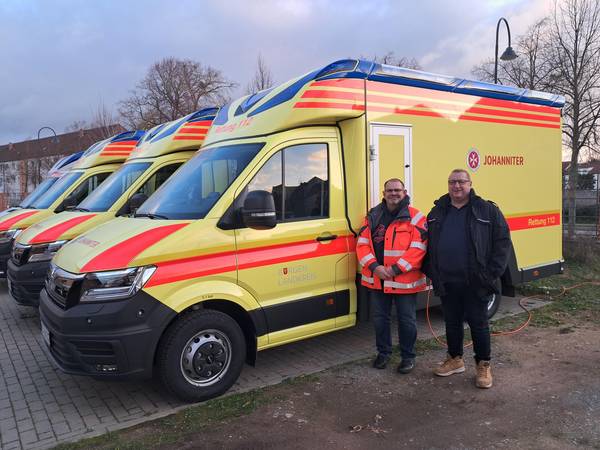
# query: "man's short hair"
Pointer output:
{"type": "Point", "coordinates": [462, 171]}
{"type": "Point", "coordinates": [393, 179]}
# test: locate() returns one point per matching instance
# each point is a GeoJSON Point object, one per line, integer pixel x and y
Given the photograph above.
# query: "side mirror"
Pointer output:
{"type": "Point", "coordinates": [259, 210]}
{"type": "Point", "coordinates": [132, 204]}
{"type": "Point", "coordinates": [135, 201]}
{"type": "Point", "coordinates": [69, 202]}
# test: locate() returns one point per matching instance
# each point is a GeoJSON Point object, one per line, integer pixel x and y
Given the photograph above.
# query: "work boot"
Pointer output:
{"type": "Point", "coordinates": [484, 375]}
{"type": "Point", "coordinates": [381, 361]}
{"type": "Point", "coordinates": [450, 366]}
{"type": "Point", "coordinates": [406, 365]}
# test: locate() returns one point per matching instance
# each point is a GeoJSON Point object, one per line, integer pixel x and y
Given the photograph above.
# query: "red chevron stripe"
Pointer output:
{"type": "Point", "coordinates": [190, 137]}
{"type": "Point", "coordinates": [375, 87]}
{"type": "Point", "coordinates": [352, 83]}
{"type": "Point", "coordinates": [202, 123]}
{"type": "Point", "coordinates": [329, 105]}
{"type": "Point", "coordinates": [6, 224]}
{"type": "Point", "coordinates": [199, 266]}
{"type": "Point", "coordinates": [193, 130]}
{"type": "Point", "coordinates": [313, 93]}
{"type": "Point", "coordinates": [120, 255]}
{"type": "Point", "coordinates": [53, 233]}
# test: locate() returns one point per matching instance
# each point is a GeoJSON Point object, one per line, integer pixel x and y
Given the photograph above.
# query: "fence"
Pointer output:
{"type": "Point", "coordinates": [587, 211]}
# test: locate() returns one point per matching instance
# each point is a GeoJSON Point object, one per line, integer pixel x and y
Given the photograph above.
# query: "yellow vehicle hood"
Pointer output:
{"type": "Point", "coordinates": [22, 218]}
{"type": "Point", "coordinates": [122, 242]}
{"type": "Point", "coordinates": [64, 226]}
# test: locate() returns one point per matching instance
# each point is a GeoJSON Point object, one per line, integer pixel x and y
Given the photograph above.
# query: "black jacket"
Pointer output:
{"type": "Point", "coordinates": [489, 239]}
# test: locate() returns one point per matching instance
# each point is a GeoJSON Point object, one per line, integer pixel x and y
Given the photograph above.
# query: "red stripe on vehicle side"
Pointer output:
{"type": "Point", "coordinates": [199, 266]}
{"type": "Point", "coordinates": [192, 131]}
{"type": "Point", "coordinates": [414, 112]}
{"type": "Point", "coordinates": [52, 234]}
{"type": "Point", "coordinates": [120, 255]}
{"type": "Point", "coordinates": [204, 123]}
{"type": "Point", "coordinates": [352, 83]}
{"type": "Point", "coordinates": [375, 87]}
{"type": "Point", "coordinates": [190, 137]}
{"type": "Point", "coordinates": [329, 105]}
{"type": "Point", "coordinates": [535, 221]}
{"type": "Point", "coordinates": [6, 224]}
{"type": "Point", "coordinates": [432, 104]}
{"type": "Point", "coordinates": [313, 93]}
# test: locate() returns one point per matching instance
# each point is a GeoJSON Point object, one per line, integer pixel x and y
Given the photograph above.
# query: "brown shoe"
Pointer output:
{"type": "Point", "coordinates": [450, 366]}
{"type": "Point", "coordinates": [484, 375]}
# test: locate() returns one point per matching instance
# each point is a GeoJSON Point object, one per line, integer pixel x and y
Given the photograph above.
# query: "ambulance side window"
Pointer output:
{"type": "Point", "coordinates": [298, 178]}
{"type": "Point", "coordinates": [88, 186]}
{"type": "Point", "coordinates": [157, 179]}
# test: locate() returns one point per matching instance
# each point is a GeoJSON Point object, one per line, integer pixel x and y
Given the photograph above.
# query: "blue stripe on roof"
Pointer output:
{"type": "Point", "coordinates": [223, 115]}
{"type": "Point", "coordinates": [135, 135]}
{"type": "Point", "coordinates": [285, 95]}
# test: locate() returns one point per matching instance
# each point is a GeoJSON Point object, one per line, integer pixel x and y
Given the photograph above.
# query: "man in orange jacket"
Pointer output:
{"type": "Point", "coordinates": [391, 246]}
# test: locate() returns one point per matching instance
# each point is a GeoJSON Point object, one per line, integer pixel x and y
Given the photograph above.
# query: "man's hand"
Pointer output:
{"type": "Point", "coordinates": [383, 273]}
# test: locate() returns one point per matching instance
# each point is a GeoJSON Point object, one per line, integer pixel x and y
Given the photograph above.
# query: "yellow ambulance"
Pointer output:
{"type": "Point", "coordinates": [252, 244]}
{"type": "Point", "coordinates": [94, 166]}
{"type": "Point", "coordinates": [155, 158]}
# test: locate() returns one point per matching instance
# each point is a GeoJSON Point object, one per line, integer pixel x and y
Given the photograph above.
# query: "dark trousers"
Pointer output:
{"type": "Point", "coordinates": [381, 309]}
{"type": "Point", "coordinates": [462, 302]}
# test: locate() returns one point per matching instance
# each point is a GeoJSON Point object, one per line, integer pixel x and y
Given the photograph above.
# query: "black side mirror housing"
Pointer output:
{"type": "Point", "coordinates": [259, 210]}
{"type": "Point", "coordinates": [69, 202]}
{"type": "Point", "coordinates": [135, 201]}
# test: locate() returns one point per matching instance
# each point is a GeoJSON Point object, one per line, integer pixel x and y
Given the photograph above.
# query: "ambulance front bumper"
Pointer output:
{"type": "Point", "coordinates": [111, 340]}
{"type": "Point", "coordinates": [27, 281]}
{"type": "Point", "coordinates": [4, 257]}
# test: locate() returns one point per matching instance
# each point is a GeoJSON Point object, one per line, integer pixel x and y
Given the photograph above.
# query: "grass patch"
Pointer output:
{"type": "Point", "coordinates": [175, 428]}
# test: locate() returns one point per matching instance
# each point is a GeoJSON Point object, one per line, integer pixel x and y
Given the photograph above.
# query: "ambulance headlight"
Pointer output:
{"type": "Point", "coordinates": [114, 284]}
{"type": "Point", "coordinates": [8, 235]}
{"type": "Point", "coordinates": [44, 252]}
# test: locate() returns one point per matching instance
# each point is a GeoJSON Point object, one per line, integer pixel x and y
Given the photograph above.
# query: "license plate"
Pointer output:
{"type": "Point", "coordinates": [45, 335]}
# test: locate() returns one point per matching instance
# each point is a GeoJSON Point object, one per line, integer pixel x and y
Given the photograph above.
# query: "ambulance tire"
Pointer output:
{"type": "Point", "coordinates": [493, 301]}
{"type": "Point", "coordinates": [201, 355]}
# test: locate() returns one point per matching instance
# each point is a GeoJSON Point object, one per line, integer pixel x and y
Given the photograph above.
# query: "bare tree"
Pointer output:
{"type": "Point", "coordinates": [263, 79]}
{"type": "Point", "coordinates": [104, 122]}
{"type": "Point", "coordinates": [532, 69]}
{"type": "Point", "coordinates": [173, 88]}
{"type": "Point", "coordinates": [401, 61]}
{"type": "Point", "coordinates": [575, 40]}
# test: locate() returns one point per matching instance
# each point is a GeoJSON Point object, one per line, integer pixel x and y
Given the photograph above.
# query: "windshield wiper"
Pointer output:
{"type": "Point", "coordinates": [151, 216]}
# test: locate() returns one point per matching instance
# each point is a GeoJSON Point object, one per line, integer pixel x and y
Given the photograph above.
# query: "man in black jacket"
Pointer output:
{"type": "Point", "coordinates": [469, 246]}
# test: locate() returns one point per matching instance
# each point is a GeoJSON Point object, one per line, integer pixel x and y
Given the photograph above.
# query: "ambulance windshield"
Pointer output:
{"type": "Point", "coordinates": [56, 190]}
{"type": "Point", "coordinates": [37, 192]}
{"type": "Point", "coordinates": [199, 183]}
{"type": "Point", "coordinates": [109, 192]}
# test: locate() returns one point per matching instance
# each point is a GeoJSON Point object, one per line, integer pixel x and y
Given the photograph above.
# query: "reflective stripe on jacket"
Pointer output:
{"type": "Point", "coordinates": [405, 246]}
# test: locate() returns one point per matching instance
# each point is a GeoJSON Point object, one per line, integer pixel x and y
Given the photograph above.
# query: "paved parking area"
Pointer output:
{"type": "Point", "coordinates": [40, 406]}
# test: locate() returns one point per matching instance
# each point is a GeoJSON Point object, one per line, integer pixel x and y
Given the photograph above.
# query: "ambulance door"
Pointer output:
{"type": "Point", "coordinates": [291, 269]}
{"type": "Point", "coordinates": [390, 157]}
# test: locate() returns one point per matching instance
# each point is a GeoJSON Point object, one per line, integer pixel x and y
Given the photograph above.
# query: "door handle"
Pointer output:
{"type": "Point", "coordinates": [327, 237]}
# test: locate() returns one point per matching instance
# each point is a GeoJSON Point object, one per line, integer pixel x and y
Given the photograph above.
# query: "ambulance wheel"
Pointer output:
{"type": "Point", "coordinates": [201, 355]}
{"type": "Point", "coordinates": [493, 302]}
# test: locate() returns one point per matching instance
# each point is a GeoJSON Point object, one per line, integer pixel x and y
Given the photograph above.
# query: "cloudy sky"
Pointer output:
{"type": "Point", "coordinates": [60, 59]}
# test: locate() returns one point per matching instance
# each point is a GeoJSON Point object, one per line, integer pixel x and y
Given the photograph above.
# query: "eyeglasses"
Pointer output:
{"type": "Point", "coordinates": [460, 182]}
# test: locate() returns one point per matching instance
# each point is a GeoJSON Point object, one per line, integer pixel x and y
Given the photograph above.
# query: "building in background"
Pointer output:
{"type": "Point", "coordinates": [24, 165]}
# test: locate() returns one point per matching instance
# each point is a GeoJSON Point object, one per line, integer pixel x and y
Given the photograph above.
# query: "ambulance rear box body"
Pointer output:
{"type": "Point", "coordinates": [252, 243]}
{"type": "Point", "coordinates": [85, 175]}
{"type": "Point", "coordinates": [156, 157]}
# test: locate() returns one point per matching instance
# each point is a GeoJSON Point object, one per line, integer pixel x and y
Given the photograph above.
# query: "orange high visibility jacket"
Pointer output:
{"type": "Point", "coordinates": [405, 246]}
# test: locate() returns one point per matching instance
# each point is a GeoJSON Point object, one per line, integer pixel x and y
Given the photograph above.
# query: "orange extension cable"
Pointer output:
{"type": "Point", "coordinates": [509, 332]}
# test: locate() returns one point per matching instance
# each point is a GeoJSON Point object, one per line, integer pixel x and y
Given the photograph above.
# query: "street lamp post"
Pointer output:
{"type": "Point", "coordinates": [47, 128]}
{"type": "Point", "coordinates": [508, 55]}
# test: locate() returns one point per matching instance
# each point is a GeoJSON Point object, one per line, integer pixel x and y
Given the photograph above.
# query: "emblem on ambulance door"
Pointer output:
{"type": "Point", "coordinates": [473, 159]}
